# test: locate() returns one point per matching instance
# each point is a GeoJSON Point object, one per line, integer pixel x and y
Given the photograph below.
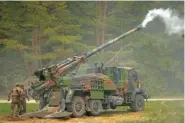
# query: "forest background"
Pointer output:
{"type": "Point", "coordinates": [36, 34]}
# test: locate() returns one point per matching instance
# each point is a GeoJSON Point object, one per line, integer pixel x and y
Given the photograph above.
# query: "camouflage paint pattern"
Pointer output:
{"type": "Point", "coordinates": [124, 78]}
{"type": "Point", "coordinates": [24, 96]}
{"type": "Point", "coordinates": [62, 68]}
{"type": "Point", "coordinates": [96, 84]}
{"type": "Point", "coordinates": [15, 95]}
{"type": "Point", "coordinates": [46, 84]}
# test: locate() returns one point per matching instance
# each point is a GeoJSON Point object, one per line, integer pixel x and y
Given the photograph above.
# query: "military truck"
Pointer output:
{"type": "Point", "coordinates": [62, 93]}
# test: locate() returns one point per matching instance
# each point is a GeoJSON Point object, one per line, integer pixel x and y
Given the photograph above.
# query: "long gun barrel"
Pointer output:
{"type": "Point", "coordinates": [92, 52]}
{"type": "Point", "coordinates": [72, 64]}
{"type": "Point", "coordinates": [112, 41]}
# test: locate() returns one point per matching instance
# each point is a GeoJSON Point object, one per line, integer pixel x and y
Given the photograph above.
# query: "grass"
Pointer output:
{"type": "Point", "coordinates": [5, 108]}
{"type": "Point", "coordinates": [167, 97]}
{"type": "Point", "coordinates": [162, 112]}
{"type": "Point", "coordinates": [155, 112]}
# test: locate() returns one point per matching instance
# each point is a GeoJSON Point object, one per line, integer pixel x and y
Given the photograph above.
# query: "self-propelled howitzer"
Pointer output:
{"type": "Point", "coordinates": [49, 82]}
{"type": "Point", "coordinates": [49, 75]}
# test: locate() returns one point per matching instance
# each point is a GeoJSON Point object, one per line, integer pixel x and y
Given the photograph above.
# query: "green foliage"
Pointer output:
{"type": "Point", "coordinates": [68, 28]}
{"type": "Point", "coordinates": [5, 108]}
{"type": "Point", "coordinates": [155, 112]}
{"type": "Point", "coordinates": [162, 112]}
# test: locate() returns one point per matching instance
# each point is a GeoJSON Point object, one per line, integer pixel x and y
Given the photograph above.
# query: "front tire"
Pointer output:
{"type": "Point", "coordinates": [113, 105]}
{"type": "Point", "coordinates": [77, 107]}
{"type": "Point", "coordinates": [138, 104]}
{"type": "Point", "coordinates": [96, 107]}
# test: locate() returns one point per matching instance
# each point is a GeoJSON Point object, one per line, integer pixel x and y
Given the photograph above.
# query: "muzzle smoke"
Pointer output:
{"type": "Point", "coordinates": [174, 24]}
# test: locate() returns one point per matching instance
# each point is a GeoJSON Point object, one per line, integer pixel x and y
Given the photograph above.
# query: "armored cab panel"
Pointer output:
{"type": "Point", "coordinates": [118, 75]}
{"type": "Point", "coordinates": [112, 72]}
{"type": "Point", "coordinates": [121, 76]}
{"type": "Point", "coordinates": [95, 83]}
{"type": "Point", "coordinates": [109, 71]}
{"type": "Point", "coordinates": [130, 75]}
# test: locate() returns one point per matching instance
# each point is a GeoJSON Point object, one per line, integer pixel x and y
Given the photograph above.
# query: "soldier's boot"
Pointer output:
{"type": "Point", "coordinates": [18, 110]}
{"type": "Point", "coordinates": [21, 108]}
{"type": "Point", "coordinates": [24, 107]}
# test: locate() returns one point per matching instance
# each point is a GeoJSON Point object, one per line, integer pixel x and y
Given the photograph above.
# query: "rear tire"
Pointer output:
{"type": "Point", "coordinates": [113, 105]}
{"type": "Point", "coordinates": [96, 107]}
{"type": "Point", "coordinates": [77, 107]}
{"type": "Point", "coordinates": [138, 104]}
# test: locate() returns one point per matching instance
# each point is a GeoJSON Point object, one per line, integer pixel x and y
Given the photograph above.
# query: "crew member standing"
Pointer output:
{"type": "Point", "coordinates": [24, 95]}
{"type": "Point", "coordinates": [15, 95]}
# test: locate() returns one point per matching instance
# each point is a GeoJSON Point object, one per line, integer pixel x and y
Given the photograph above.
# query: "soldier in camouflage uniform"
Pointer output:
{"type": "Point", "coordinates": [15, 95]}
{"type": "Point", "coordinates": [24, 95]}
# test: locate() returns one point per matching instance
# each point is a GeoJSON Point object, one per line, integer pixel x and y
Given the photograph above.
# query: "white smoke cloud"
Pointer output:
{"type": "Point", "coordinates": [173, 23]}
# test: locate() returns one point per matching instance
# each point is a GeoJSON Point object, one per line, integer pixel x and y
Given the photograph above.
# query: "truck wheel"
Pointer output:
{"type": "Point", "coordinates": [96, 107]}
{"type": "Point", "coordinates": [113, 105]}
{"type": "Point", "coordinates": [138, 104]}
{"type": "Point", "coordinates": [77, 107]}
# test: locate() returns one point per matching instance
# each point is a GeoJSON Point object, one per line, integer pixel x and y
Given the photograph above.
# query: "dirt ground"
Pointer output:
{"type": "Point", "coordinates": [108, 117]}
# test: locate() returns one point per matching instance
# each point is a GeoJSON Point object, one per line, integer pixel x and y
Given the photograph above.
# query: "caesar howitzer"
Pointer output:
{"type": "Point", "coordinates": [103, 87]}
{"type": "Point", "coordinates": [56, 70]}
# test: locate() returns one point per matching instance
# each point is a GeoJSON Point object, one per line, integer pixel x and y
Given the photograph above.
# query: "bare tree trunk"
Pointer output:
{"type": "Point", "coordinates": [104, 22]}
{"type": "Point", "coordinates": [34, 38]}
{"type": "Point", "coordinates": [36, 48]}
{"type": "Point", "coordinates": [97, 24]}
{"type": "Point", "coordinates": [98, 17]}
{"type": "Point", "coordinates": [27, 67]}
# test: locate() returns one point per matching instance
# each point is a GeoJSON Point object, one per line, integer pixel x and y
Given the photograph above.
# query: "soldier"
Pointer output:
{"type": "Point", "coordinates": [24, 95]}
{"type": "Point", "coordinates": [15, 94]}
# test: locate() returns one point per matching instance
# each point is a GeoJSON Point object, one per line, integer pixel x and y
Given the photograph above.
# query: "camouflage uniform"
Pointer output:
{"type": "Point", "coordinates": [24, 95]}
{"type": "Point", "coordinates": [15, 94]}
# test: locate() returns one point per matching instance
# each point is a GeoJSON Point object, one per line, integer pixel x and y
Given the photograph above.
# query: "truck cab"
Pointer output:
{"type": "Point", "coordinates": [128, 85]}
{"type": "Point", "coordinates": [121, 76]}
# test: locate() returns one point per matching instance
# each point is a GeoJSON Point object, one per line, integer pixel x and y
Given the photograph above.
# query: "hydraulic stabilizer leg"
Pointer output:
{"type": "Point", "coordinates": [62, 100]}
{"type": "Point", "coordinates": [61, 110]}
